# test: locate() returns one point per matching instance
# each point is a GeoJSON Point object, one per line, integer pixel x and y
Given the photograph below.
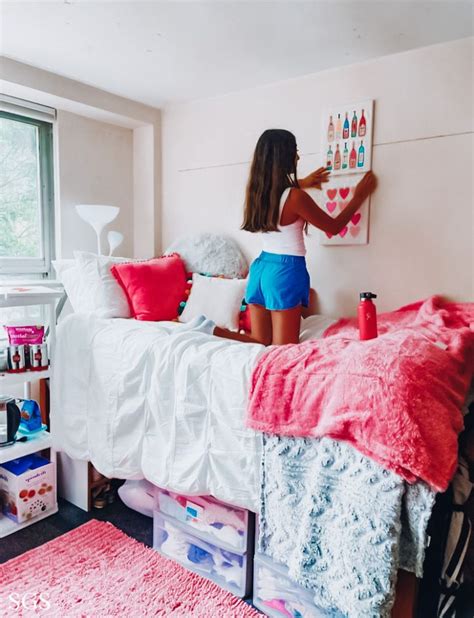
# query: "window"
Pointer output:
{"type": "Point", "coordinates": [26, 196]}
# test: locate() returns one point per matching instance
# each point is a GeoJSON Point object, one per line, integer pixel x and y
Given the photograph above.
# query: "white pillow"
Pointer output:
{"type": "Point", "coordinates": [216, 298]}
{"type": "Point", "coordinates": [69, 275]}
{"type": "Point", "coordinates": [105, 297]}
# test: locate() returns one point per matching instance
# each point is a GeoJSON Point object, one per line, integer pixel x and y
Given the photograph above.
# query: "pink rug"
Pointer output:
{"type": "Point", "coordinates": [97, 570]}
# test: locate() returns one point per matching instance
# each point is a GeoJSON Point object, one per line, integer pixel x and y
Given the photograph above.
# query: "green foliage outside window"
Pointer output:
{"type": "Point", "coordinates": [20, 196]}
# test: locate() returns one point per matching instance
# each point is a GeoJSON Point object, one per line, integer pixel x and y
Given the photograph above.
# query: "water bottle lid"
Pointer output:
{"type": "Point", "coordinates": [367, 295]}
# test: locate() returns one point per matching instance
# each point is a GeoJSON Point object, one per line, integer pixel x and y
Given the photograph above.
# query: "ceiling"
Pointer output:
{"type": "Point", "coordinates": [166, 52]}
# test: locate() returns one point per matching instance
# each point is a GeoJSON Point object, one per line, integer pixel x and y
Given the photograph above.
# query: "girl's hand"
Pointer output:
{"type": "Point", "coordinates": [315, 179]}
{"type": "Point", "coordinates": [366, 186]}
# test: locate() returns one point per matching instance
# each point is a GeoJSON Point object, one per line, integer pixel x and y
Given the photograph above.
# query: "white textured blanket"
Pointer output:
{"type": "Point", "coordinates": [341, 523]}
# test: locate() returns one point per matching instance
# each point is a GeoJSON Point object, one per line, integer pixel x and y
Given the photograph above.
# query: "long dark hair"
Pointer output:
{"type": "Point", "coordinates": [272, 171]}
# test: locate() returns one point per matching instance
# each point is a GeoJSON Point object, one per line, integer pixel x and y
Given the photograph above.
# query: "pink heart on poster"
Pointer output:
{"type": "Point", "coordinates": [354, 231]}
{"type": "Point", "coordinates": [331, 193]}
{"type": "Point", "coordinates": [356, 218]}
{"type": "Point", "coordinates": [342, 205]}
{"type": "Point", "coordinates": [343, 232]}
{"type": "Point", "coordinates": [328, 234]}
{"type": "Point", "coordinates": [344, 192]}
{"type": "Point", "coordinates": [331, 206]}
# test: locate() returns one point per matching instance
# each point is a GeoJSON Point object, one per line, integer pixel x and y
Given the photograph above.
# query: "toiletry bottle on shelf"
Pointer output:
{"type": "Point", "coordinates": [345, 129]}
{"type": "Point", "coordinates": [345, 157]}
{"type": "Point", "coordinates": [354, 125]}
{"type": "Point", "coordinates": [337, 158]}
{"type": "Point", "coordinates": [353, 157]}
{"type": "Point", "coordinates": [330, 130]}
{"type": "Point", "coordinates": [329, 159]}
{"type": "Point", "coordinates": [338, 127]}
{"type": "Point", "coordinates": [362, 125]}
{"type": "Point", "coordinates": [361, 158]}
{"type": "Point", "coordinates": [367, 314]}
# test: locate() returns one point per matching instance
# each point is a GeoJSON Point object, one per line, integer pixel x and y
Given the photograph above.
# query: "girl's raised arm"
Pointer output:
{"type": "Point", "coordinates": [305, 207]}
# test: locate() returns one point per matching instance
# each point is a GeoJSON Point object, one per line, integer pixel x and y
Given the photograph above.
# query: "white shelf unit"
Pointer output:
{"type": "Point", "coordinates": [34, 444]}
{"type": "Point", "coordinates": [37, 442]}
{"type": "Point", "coordinates": [23, 295]}
{"type": "Point", "coordinates": [8, 526]}
{"type": "Point", "coordinates": [10, 379]}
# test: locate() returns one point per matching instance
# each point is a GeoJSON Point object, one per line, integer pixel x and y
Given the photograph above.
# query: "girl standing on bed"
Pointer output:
{"type": "Point", "coordinates": [277, 207]}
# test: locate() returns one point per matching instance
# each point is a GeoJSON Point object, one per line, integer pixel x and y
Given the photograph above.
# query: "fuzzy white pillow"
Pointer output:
{"type": "Point", "coordinates": [212, 254]}
{"type": "Point", "coordinates": [104, 298]}
{"type": "Point", "coordinates": [216, 298]}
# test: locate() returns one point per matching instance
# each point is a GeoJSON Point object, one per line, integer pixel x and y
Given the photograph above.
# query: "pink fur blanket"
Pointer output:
{"type": "Point", "coordinates": [397, 398]}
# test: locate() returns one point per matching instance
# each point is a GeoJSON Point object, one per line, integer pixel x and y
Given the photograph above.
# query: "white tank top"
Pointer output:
{"type": "Point", "coordinates": [290, 239]}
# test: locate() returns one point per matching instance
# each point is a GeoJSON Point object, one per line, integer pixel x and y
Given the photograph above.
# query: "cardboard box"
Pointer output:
{"type": "Point", "coordinates": [31, 493]}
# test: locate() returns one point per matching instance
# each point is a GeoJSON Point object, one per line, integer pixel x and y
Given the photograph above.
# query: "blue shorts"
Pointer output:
{"type": "Point", "coordinates": [278, 282]}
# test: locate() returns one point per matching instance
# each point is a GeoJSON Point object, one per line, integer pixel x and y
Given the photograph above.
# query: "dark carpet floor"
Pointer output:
{"type": "Point", "coordinates": [69, 517]}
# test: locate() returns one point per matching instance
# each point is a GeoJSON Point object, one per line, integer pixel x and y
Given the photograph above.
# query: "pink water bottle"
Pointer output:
{"type": "Point", "coordinates": [367, 316]}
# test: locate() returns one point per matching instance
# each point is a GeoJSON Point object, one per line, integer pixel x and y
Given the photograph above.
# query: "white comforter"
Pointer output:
{"type": "Point", "coordinates": [161, 402]}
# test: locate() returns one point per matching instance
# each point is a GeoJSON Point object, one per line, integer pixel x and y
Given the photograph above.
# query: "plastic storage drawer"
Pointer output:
{"type": "Point", "coordinates": [220, 524]}
{"type": "Point", "coordinates": [277, 595]}
{"type": "Point", "coordinates": [231, 570]}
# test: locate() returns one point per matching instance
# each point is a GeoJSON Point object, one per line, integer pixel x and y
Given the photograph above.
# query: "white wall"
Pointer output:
{"type": "Point", "coordinates": [421, 228]}
{"type": "Point", "coordinates": [94, 166]}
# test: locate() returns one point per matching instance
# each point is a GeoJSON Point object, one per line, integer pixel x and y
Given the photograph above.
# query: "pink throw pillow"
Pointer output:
{"type": "Point", "coordinates": [154, 288]}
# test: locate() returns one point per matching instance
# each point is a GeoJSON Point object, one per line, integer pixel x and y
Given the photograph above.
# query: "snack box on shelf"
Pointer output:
{"type": "Point", "coordinates": [30, 487]}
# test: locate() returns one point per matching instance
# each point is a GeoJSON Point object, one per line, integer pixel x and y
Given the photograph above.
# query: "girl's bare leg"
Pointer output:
{"type": "Point", "coordinates": [286, 326]}
{"type": "Point", "coordinates": [261, 321]}
{"type": "Point", "coordinates": [268, 327]}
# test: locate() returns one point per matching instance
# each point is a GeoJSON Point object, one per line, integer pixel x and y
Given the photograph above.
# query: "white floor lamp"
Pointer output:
{"type": "Point", "coordinates": [98, 216]}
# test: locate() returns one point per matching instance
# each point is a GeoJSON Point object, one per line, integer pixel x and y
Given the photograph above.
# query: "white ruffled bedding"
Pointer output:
{"type": "Point", "coordinates": [161, 402]}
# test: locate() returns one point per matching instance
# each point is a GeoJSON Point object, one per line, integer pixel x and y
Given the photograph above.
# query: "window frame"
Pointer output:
{"type": "Point", "coordinates": [38, 265]}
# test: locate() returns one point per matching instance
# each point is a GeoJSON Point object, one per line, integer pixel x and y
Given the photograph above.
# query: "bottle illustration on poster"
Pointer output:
{"type": "Point", "coordinates": [338, 127]}
{"type": "Point", "coordinates": [330, 130]}
{"type": "Point", "coordinates": [362, 125]}
{"type": "Point", "coordinates": [345, 129]}
{"type": "Point", "coordinates": [354, 125]}
{"type": "Point", "coordinates": [337, 158]}
{"type": "Point", "coordinates": [329, 159]}
{"type": "Point", "coordinates": [361, 157]}
{"type": "Point", "coordinates": [345, 157]}
{"type": "Point", "coordinates": [353, 157]}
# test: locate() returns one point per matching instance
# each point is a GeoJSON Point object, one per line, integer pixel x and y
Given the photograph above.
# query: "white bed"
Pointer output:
{"type": "Point", "coordinates": [161, 402]}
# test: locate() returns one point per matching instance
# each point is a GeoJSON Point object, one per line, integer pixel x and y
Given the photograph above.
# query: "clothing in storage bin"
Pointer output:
{"type": "Point", "coordinates": [279, 596]}
{"type": "Point", "coordinates": [278, 282]}
{"type": "Point", "coordinates": [230, 570]}
{"type": "Point", "coordinates": [210, 520]}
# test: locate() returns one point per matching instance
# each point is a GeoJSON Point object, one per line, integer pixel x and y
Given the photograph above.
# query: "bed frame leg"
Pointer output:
{"type": "Point", "coordinates": [405, 597]}
{"type": "Point", "coordinates": [73, 481]}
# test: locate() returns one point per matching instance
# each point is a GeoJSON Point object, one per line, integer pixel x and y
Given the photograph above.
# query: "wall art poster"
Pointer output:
{"type": "Point", "coordinates": [334, 197]}
{"type": "Point", "coordinates": [347, 138]}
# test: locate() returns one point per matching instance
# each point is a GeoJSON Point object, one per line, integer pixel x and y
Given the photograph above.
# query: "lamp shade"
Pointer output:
{"type": "Point", "coordinates": [98, 216]}
{"type": "Point", "coordinates": [115, 240]}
